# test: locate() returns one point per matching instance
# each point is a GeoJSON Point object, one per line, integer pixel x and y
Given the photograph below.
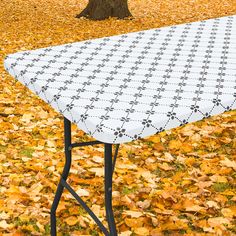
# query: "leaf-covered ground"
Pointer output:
{"type": "Point", "coordinates": [180, 182]}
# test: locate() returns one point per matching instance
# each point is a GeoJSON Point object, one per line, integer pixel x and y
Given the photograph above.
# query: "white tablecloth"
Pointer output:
{"type": "Point", "coordinates": [121, 88]}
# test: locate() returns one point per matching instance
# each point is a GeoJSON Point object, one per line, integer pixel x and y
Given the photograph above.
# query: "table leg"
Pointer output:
{"type": "Point", "coordinates": [109, 169]}
{"type": "Point", "coordinates": [108, 189]}
{"type": "Point", "coordinates": [65, 173]}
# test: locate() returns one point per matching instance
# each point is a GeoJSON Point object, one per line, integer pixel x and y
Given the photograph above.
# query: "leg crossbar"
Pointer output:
{"type": "Point", "coordinates": [84, 205]}
{"type": "Point", "coordinates": [109, 169]}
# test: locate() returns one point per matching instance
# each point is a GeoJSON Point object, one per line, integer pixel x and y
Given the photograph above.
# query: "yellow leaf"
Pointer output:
{"type": "Point", "coordinates": [220, 198]}
{"type": "Point", "coordinates": [141, 231]}
{"type": "Point", "coordinates": [168, 157]}
{"type": "Point", "coordinates": [42, 114]}
{"type": "Point", "coordinates": [159, 147]}
{"type": "Point", "coordinates": [228, 193]}
{"type": "Point", "coordinates": [218, 178]}
{"type": "Point", "coordinates": [133, 214]}
{"type": "Point", "coordinates": [201, 223]}
{"type": "Point", "coordinates": [175, 144]}
{"type": "Point", "coordinates": [174, 225]}
{"type": "Point", "coordinates": [126, 166]}
{"type": "Point", "coordinates": [27, 117]}
{"type": "Point", "coordinates": [9, 110]}
{"type": "Point", "coordinates": [41, 227]}
{"type": "Point", "coordinates": [163, 211]}
{"type": "Point", "coordinates": [186, 147]}
{"type": "Point", "coordinates": [167, 194]}
{"type": "Point", "coordinates": [72, 220]}
{"type": "Point", "coordinates": [28, 227]}
{"type": "Point", "coordinates": [195, 208]}
{"type": "Point", "coordinates": [134, 222]}
{"type": "Point", "coordinates": [154, 139]}
{"type": "Point", "coordinates": [36, 188]}
{"type": "Point", "coordinates": [154, 221]}
{"type": "Point", "coordinates": [156, 232]}
{"type": "Point", "coordinates": [24, 217]}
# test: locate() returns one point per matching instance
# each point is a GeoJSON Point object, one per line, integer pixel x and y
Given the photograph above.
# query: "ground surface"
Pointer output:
{"type": "Point", "coordinates": [180, 182]}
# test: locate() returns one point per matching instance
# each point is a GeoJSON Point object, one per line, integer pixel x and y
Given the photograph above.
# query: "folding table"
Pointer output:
{"type": "Point", "coordinates": [126, 87]}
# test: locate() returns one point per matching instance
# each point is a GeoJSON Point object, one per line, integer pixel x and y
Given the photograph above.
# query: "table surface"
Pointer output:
{"type": "Point", "coordinates": [121, 88]}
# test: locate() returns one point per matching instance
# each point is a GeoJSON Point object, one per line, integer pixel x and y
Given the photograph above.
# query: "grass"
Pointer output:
{"type": "Point", "coordinates": [220, 187]}
{"type": "Point", "coordinates": [126, 190]}
{"type": "Point", "coordinates": [94, 233]}
{"type": "Point", "coordinates": [47, 228]}
{"type": "Point", "coordinates": [19, 222]}
{"type": "Point", "coordinates": [27, 152]}
{"type": "Point", "coordinates": [2, 148]}
{"type": "Point", "coordinates": [158, 172]}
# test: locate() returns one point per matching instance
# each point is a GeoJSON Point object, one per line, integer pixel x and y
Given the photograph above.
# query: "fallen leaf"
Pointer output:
{"type": "Point", "coordinates": [228, 163]}
{"type": "Point", "coordinates": [141, 231]}
{"type": "Point", "coordinates": [195, 208]}
{"type": "Point", "coordinates": [133, 214]}
{"type": "Point", "coordinates": [98, 159]}
{"type": "Point", "coordinates": [98, 171]}
{"type": "Point", "coordinates": [126, 233]}
{"type": "Point", "coordinates": [82, 192]}
{"type": "Point", "coordinates": [5, 225]}
{"type": "Point", "coordinates": [212, 204]}
{"type": "Point", "coordinates": [71, 220]}
{"type": "Point", "coordinates": [165, 166]}
{"type": "Point", "coordinates": [228, 212]}
{"type": "Point", "coordinates": [144, 204]}
{"type": "Point", "coordinates": [217, 221]}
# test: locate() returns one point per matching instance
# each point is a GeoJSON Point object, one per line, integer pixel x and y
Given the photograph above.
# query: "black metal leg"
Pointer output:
{"type": "Point", "coordinates": [114, 159]}
{"type": "Point", "coordinates": [109, 169]}
{"type": "Point", "coordinates": [108, 189]}
{"type": "Point", "coordinates": [65, 173]}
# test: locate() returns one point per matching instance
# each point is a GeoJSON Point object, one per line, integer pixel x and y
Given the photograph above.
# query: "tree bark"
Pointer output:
{"type": "Point", "coordinates": [102, 9]}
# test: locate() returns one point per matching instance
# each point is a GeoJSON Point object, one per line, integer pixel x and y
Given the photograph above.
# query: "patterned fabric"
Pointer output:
{"type": "Point", "coordinates": [121, 88]}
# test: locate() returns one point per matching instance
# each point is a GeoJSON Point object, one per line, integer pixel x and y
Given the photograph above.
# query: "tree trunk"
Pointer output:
{"type": "Point", "coordinates": [102, 9]}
